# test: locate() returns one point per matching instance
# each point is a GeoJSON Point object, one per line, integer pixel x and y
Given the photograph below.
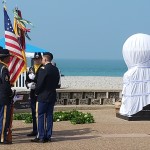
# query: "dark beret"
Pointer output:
{"type": "Point", "coordinates": [49, 54]}
{"type": "Point", "coordinates": [1, 47]}
{"type": "Point", "coordinates": [4, 52]}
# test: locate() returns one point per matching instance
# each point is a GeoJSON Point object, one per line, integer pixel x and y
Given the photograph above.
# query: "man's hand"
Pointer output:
{"type": "Point", "coordinates": [31, 76]}
{"type": "Point", "coordinates": [31, 85]}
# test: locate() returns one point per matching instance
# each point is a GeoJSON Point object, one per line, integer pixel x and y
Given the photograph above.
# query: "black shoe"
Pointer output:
{"type": "Point", "coordinates": [37, 140]}
{"type": "Point", "coordinates": [48, 139]}
{"type": "Point", "coordinates": [32, 134]}
{"type": "Point", "coordinates": [6, 142]}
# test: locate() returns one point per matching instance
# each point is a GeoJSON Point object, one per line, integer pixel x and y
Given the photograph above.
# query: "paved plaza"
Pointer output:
{"type": "Point", "coordinates": [108, 133]}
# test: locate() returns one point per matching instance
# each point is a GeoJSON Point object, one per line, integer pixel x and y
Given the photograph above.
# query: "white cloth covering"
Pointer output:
{"type": "Point", "coordinates": [136, 81]}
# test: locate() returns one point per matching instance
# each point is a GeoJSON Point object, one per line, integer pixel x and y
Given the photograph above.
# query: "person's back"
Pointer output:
{"type": "Point", "coordinates": [48, 82]}
{"type": "Point", "coordinates": [52, 79]}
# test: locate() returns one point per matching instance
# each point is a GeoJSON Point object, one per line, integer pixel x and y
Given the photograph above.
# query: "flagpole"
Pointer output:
{"type": "Point", "coordinates": [4, 3]}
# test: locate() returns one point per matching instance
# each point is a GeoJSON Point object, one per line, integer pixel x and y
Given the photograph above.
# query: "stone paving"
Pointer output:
{"type": "Point", "coordinates": [108, 133]}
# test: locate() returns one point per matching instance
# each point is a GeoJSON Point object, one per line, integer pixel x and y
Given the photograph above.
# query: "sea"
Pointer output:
{"type": "Point", "coordinates": [85, 67]}
{"type": "Point", "coordinates": [81, 67]}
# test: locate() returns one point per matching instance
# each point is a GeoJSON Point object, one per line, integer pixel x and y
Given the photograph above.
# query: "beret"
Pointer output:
{"type": "Point", "coordinates": [4, 52]}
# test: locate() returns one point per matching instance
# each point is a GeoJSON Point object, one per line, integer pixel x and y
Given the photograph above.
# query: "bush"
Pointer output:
{"type": "Point", "coordinates": [81, 118]}
{"type": "Point", "coordinates": [22, 116]}
{"type": "Point", "coordinates": [74, 116]}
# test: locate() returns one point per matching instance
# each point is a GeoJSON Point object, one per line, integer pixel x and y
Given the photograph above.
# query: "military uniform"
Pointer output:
{"type": "Point", "coordinates": [31, 78]}
{"type": "Point", "coordinates": [6, 96]}
{"type": "Point", "coordinates": [47, 83]}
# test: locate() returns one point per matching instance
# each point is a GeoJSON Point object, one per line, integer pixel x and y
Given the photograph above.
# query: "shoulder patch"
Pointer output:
{"type": "Point", "coordinates": [6, 78]}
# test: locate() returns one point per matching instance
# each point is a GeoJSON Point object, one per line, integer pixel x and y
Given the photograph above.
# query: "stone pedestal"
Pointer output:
{"type": "Point", "coordinates": [139, 116]}
{"type": "Point", "coordinates": [117, 106]}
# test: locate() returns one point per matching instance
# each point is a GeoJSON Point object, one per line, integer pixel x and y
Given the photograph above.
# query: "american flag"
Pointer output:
{"type": "Point", "coordinates": [17, 62]}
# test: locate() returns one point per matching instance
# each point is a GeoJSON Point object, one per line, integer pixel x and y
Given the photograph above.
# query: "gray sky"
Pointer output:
{"type": "Point", "coordinates": [94, 29]}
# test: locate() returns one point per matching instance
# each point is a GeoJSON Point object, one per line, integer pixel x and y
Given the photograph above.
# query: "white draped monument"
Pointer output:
{"type": "Point", "coordinates": [136, 81]}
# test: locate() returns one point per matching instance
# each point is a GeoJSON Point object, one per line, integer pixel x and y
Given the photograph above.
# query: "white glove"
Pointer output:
{"type": "Point", "coordinates": [31, 76]}
{"type": "Point", "coordinates": [31, 85]}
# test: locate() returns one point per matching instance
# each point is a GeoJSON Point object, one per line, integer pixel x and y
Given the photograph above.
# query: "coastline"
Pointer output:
{"type": "Point", "coordinates": [92, 82]}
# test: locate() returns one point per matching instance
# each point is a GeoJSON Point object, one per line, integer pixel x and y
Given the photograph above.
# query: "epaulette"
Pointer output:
{"type": "Point", "coordinates": [3, 68]}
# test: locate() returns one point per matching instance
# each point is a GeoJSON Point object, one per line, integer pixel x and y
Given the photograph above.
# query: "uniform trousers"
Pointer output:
{"type": "Point", "coordinates": [45, 120]}
{"type": "Point", "coordinates": [4, 121]}
{"type": "Point", "coordinates": [33, 109]}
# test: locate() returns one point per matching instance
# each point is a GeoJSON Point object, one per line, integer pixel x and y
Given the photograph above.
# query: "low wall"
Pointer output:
{"type": "Point", "coordinates": [87, 97]}
{"type": "Point", "coordinates": [75, 97]}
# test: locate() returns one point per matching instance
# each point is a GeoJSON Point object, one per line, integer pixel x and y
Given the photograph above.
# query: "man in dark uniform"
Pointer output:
{"type": "Point", "coordinates": [30, 83]}
{"type": "Point", "coordinates": [47, 83]}
{"type": "Point", "coordinates": [6, 96]}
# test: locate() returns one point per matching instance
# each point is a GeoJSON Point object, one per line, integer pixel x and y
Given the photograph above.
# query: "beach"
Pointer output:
{"type": "Point", "coordinates": [92, 82]}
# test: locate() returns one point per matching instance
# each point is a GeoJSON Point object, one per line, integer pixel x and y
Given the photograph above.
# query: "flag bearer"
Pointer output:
{"type": "Point", "coordinates": [31, 83]}
{"type": "Point", "coordinates": [6, 96]}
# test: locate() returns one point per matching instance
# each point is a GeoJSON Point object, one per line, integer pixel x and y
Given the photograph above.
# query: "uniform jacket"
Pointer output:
{"type": "Point", "coordinates": [28, 80]}
{"type": "Point", "coordinates": [47, 82]}
{"type": "Point", "coordinates": [6, 93]}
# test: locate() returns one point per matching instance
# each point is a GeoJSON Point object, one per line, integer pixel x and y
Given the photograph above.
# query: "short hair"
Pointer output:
{"type": "Point", "coordinates": [48, 55]}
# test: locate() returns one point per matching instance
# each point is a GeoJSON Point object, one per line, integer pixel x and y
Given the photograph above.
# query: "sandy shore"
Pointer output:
{"type": "Point", "coordinates": [92, 82]}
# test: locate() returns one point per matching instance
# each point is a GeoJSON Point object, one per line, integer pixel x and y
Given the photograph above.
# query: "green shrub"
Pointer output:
{"type": "Point", "coordinates": [28, 119]}
{"type": "Point", "coordinates": [23, 116]}
{"type": "Point", "coordinates": [74, 116]}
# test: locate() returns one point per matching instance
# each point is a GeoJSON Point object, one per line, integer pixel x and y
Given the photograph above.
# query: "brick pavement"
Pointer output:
{"type": "Point", "coordinates": [108, 133]}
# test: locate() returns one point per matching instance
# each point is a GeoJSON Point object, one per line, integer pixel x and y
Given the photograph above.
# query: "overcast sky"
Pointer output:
{"type": "Point", "coordinates": [86, 29]}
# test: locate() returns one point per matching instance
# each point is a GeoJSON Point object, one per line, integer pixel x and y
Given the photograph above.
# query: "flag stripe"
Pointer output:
{"type": "Point", "coordinates": [12, 61]}
{"type": "Point", "coordinates": [15, 61]}
{"type": "Point", "coordinates": [13, 50]}
{"type": "Point", "coordinates": [11, 36]}
{"type": "Point", "coordinates": [15, 67]}
{"type": "Point", "coordinates": [17, 73]}
{"type": "Point", "coordinates": [10, 40]}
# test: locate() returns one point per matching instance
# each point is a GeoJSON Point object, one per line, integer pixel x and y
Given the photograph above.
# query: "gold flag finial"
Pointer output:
{"type": "Point", "coordinates": [4, 3]}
